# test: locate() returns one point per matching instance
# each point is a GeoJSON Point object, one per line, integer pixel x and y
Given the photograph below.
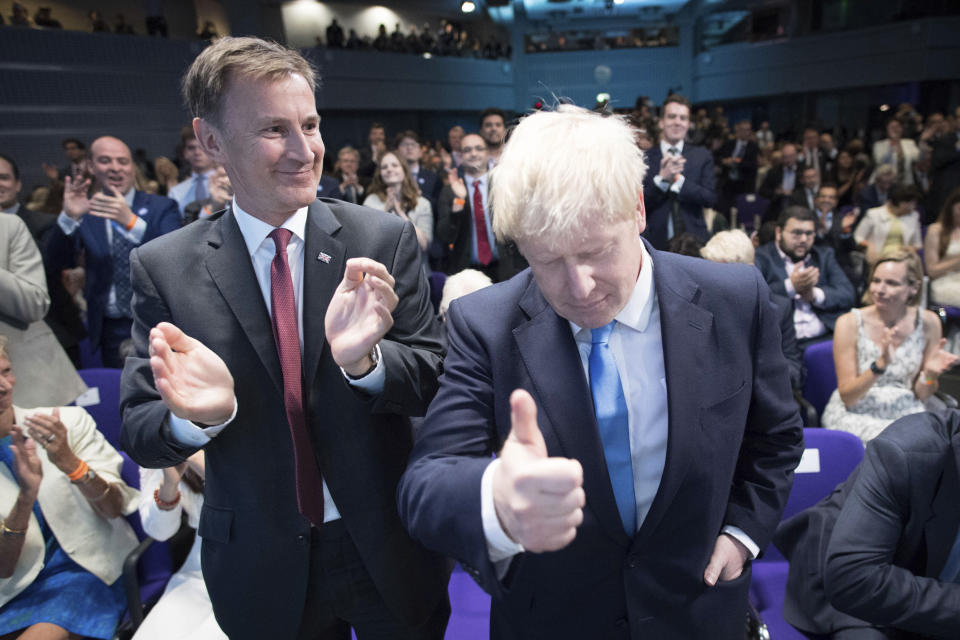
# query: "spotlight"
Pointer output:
{"type": "Point", "coordinates": [617, 1]}
{"type": "Point", "coordinates": [468, 7]}
{"type": "Point", "coordinates": [884, 107]}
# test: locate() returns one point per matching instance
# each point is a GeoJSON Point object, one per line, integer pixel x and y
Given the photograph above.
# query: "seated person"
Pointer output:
{"type": "Point", "coordinates": [393, 189]}
{"type": "Point", "coordinates": [879, 558]}
{"type": "Point", "coordinates": [459, 285]}
{"type": "Point", "coordinates": [735, 246]}
{"type": "Point", "coordinates": [892, 224]}
{"type": "Point", "coordinates": [184, 610]}
{"type": "Point", "coordinates": [64, 538]}
{"type": "Point", "coordinates": [942, 253]}
{"type": "Point", "coordinates": [888, 355]}
{"type": "Point", "coordinates": [806, 273]}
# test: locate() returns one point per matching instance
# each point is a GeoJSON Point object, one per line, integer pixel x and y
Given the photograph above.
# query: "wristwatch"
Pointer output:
{"type": "Point", "coordinates": [375, 358]}
{"type": "Point", "coordinates": [876, 368]}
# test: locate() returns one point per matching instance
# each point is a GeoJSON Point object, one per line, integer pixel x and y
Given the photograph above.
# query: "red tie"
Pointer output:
{"type": "Point", "coordinates": [484, 255]}
{"type": "Point", "coordinates": [284, 312]}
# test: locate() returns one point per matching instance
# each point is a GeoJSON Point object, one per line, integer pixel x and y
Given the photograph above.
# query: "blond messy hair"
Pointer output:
{"type": "Point", "coordinates": [729, 246]}
{"type": "Point", "coordinates": [208, 78]}
{"type": "Point", "coordinates": [563, 172]}
{"type": "Point", "coordinates": [3, 347]}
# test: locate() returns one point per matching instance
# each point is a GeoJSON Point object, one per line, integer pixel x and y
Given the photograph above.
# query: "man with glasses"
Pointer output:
{"type": "Point", "coordinates": [807, 273]}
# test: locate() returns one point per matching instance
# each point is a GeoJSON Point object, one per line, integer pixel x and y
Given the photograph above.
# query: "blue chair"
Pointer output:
{"type": "Point", "coordinates": [106, 410]}
{"type": "Point", "coordinates": [828, 458]}
{"type": "Point", "coordinates": [821, 375]}
{"type": "Point", "coordinates": [749, 207]}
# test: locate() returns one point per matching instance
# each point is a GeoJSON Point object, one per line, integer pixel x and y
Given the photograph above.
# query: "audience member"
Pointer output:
{"type": "Point", "coordinates": [849, 179]}
{"type": "Point", "coordinates": [335, 35]}
{"type": "Point", "coordinates": [828, 157]}
{"type": "Point", "coordinates": [350, 188]}
{"type": "Point", "coordinates": [38, 222]}
{"type": "Point", "coordinates": [735, 247]}
{"type": "Point", "coordinates": [807, 273]}
{"type": "Point", "coordinates": [184, 611]}
{"type": "Point", "coordinates": [809, 153]}
{"type": "Point", "coordinates": [765, 136]}
{"type": "Point", "coordinates": [876, 194]}
{"type": "Point", "coordinates": [78, 165]}
{"type": "Point", "coordinates": [892, 224]}
{"type": "Point", "coordinates": [878, 558]}
{"type": "Point", "coordinates": [454, 138]}
{"type": "Point", "coordinates": [20, 17]}
{"type": "Point", "coordinates": [897, 151]}
{"type": "Point", "coordinates": [493, 130]}
{"type": "Point", "coordinates": [805, 194]}
{"type": "Point", "coordinates": [394, 191]}
{"type": "Point", "coordinates": [459, 285]}
{"type": "Point", "coordinates": [888, 355]}
{"type": "Point", "coordinates": [780, 181]}
{"type": "Point", "coordinates": [220, 198]}
{"type": "Point", "coordinates": [168, 176]}
{"type": "Point", "coordinates": [197, 185]}
{"type": "Point", "coordinates": [685, 244]}
{"type": "Point", "coordinates": [97, 23]}
{"type": "Point", "coordinates": [428, 183]}
{"type": "Point", "coordinates": [323, 549]}
{"type": "Point", "coordinates": [47, 373]}
{"type": "Point", "coordinates": [121, 26]}
{"type": "Point", "coordinates": [835, 230]}
{"type": "Point", "coordinates": [43, 18]}
{"type": "Point", "coordinates": [675, 194]}
{"type": "Point", "coordinates": [64, 537]}
{"type": "Point", "coordinates": [942, 253]}
{"type": "Point", "coordinates": [371, 153]}
{"type": "Point", "coordinates": [518, 382]}
{"type": "Point", "coordinates": [107, 225]}
{"type": "Point", "coordinates": [739, 158]}
{"type": "Point", "coordinates": [945, 165]}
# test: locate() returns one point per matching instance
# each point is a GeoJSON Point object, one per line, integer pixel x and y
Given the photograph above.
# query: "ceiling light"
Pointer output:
{"type": "Point", "coordinates": [617, 1]}
{"type": "Point", "coordinates": [467, 7]}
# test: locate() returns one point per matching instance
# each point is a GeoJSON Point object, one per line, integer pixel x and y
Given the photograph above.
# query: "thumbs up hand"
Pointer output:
{"type": "Point", "coordinates": [538, 499]}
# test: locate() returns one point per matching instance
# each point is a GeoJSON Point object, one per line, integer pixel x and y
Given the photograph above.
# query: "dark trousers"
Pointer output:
{"type": "Point", "coordinates": [112, 335]}
{"type": "Point", "coordinates": [341, 595]}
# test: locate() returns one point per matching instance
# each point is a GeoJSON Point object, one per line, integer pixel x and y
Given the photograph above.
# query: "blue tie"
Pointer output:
{"type": "Point", "coordinates": [611, 408]}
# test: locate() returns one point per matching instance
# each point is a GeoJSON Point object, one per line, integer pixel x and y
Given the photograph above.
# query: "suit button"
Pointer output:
{"type": "Point", "coordinates": [302, 539]}
{"type": "Point", "coordinates": [633, 562]}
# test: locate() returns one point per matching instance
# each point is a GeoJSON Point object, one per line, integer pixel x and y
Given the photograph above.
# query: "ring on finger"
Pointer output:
{"type": "Point", "coordinates": [51, 437]}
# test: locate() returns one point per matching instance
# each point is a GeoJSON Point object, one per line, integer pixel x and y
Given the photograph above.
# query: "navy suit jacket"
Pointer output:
{"type": "Point", "coordinates": [161, 214]}
{"type": "Point", "coordinates": [871, 553]}
{"type": "Point", "coordinates": [839, 294]}
{"type": "Point", "coordinates": [734, 438]}
{"type": "Point", "coordinates": [698, 192]}
{"type": "Point", "coordinates": [256, 544]}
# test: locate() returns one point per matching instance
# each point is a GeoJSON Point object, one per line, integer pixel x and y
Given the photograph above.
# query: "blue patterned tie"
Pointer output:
{"type": "Point", "coordinates": [120, 248]}
{"type": "Point", "coordinates": [200, 191]}
{"type": "Point", "coordinates": [610, 407]}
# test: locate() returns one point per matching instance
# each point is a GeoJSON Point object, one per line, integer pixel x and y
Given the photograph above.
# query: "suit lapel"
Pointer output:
{"type": "Point", "coordinates": [685, 328]}
{"type": "Point", "coordinates": [940, 531]}
{"type": "Point", "coordinates": [324, 260]}
{"type": "Point", "coordinates": [564, 403]}
{"type": "Point", "coordinates": [232, 271]}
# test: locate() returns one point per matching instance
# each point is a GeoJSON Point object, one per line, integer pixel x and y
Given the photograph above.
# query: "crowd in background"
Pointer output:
{"type": "Point", "coordinates": [451, 40]}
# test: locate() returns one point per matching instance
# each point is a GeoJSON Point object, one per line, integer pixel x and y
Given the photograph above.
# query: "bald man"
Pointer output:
{"type": "Point", "coordinates": [107, 217]}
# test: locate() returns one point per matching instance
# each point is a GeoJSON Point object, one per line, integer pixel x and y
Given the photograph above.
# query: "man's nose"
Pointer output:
{"type": "Point", "coordinates": [581, 281]}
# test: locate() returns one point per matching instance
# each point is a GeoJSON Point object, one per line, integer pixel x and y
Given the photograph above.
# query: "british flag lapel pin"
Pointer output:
{"type": "Point", "coordinates": [325, 258]}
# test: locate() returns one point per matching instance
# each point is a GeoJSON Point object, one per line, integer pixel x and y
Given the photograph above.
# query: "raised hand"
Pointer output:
{"type": "Point", "coordinates": [75, 201]}
{"type": "Point", "coordinates": [887, 348]}
{"type": "Point", "coordinates": [360, 314]}
{"type": "Point", "coordinates": [51, 434]}
{"type": "Point", "coordinates": [456, 183]}
{"type": "Point", "coordinates": [112, 205]}
{"type": "Point", "coordinates": [727, 560]}
{"type": "Point", "coordinates": [538, 499]}
{"type": "Point", "coordinates": [193, 381]}
{"type": "Point", "coordinates": [51, 171]}
{"type": "Point", "coordinates": [939, 361]}
{"type": "Point", "coordinates": [26, 464]}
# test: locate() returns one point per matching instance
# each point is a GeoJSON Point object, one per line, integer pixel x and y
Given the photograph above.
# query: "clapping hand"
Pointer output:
{"type": "Point", "coordinates": [887, 348]}
{"type": "Point", "coordinates": [539, 499]}
{"type": "Point", "coordinates": [360, 314]}
{"type": "Point", "coordinates": [939, 361]}
{"type": "Point", "coordinates": [26, 463]}
{"type": "Point", "coordinates": [193, 381]}
{"type": "Point", "coordinates": [51, 434]}
{"type": "Point", "coordinates": [109, 204]}
{"type": "Point", "coordinates": [75, 201]}
{"type": "Point", "coordinates": [456, 183]}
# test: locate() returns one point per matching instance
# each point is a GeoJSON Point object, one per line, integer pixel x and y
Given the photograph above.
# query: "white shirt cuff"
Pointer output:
{"type": "Point", "coordinates": [135, 235]}
{"type": "Point", "coordinates": [499, 545]}
{"type": "Point", "coordinates": [791, 290]}
{"type": "Point", "coordinates": [677, 184]}
{"type": "Point", "coordinates": [373, 382]}
{"type": "Point", "coordinates": [190, 434]}
{"type": "Point", "coordinates": [67, 224]}
{"type": "Point", "coordinates": [818, 297]}
{"type": "Point", "coordinates": [744, 539]}
{"type": "Point", "coordinates": [662, 184]}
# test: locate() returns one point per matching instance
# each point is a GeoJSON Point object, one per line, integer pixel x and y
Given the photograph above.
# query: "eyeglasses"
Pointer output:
{"type": "Point", "coordinates": [799, 233]}
{"type": "Point", "coordinates": [409, 143]}
{"type": "Point", "coordinates": [469, 149]}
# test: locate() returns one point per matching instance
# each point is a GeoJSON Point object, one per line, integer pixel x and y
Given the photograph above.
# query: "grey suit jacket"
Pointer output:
{"type": "Point", "coordinates": [45, 374]}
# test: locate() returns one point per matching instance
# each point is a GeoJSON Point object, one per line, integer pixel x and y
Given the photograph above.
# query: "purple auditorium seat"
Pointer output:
{"type": "Point", "coordinates": [102, 402]}
{"type": "Point", "coordinates": [749, 206]}
{"type": "Point", "coordinates": [828, 458]}
{"type": "Point", "coordinates": [821, 375]}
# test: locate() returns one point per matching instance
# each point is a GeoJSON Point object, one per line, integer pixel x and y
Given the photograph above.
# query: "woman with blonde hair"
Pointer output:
{"type": "Point", "coordinates": [888, 355]}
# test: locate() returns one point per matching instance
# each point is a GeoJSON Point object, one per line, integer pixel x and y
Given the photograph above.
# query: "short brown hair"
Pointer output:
{"type": "Point", "coordinates": [679, 99]}
{"type": "Point", "coordinates": [207, 79]}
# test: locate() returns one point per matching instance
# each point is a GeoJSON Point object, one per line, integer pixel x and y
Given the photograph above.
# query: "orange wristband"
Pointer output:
{"type": "Point", "coordinates": [133, 221]}
{"type": "Point", "coordinates": [79, 472]}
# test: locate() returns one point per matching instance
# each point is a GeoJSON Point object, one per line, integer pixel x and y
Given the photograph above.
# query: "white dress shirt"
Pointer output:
{"type": "Point", "coordinates": [262, 251]}
{"type": "Point", "coordinates": [636, 338]}
{"type": "Point", "coordinates": [805, 320]}
{"type": "Point", "coordinates": [186, 192]}
{"type": "Point", "coordinates": [69, 226]}
{"type": "Point", "coordinates": [662, 184]}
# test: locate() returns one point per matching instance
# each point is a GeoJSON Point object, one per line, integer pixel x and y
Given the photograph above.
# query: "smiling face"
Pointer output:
{"type": "Point", "coordinates": [410, 150]}
{"type": "Point", "coordinates": [890, 287]}
{"type": "Point", "coordinates": [9, 185]}
{"type": "Point", "coordinates": [493, 130]}
{"type": "Point", "coordinates": [474, 155]}
{"type": "Point", "coordinates": [112, 165]}
{"type": "Point", "coordinates": [269, 144]}
{"type": "Point", "coordinates": [7, 382]}
{"type": "Point", "coordinates": [675, 122]}
{"type": "Point", "coordinates": [589, 280]}
{"type": "Point", "coordinates": [391, 171]}
{"type": "Point", "coordinates": [349, 162]}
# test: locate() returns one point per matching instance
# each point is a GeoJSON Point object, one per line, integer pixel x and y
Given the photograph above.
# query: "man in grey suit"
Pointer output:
{"type": "Point", "coordinates": [47, 377]}
{"type": "Point", "coordinates": [290, 338]}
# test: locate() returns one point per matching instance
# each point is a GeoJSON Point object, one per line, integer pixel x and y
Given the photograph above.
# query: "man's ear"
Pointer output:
{"type": "Point", "coordinates": [209, 138]}
{"type": "Point", "coordinates": [641, 214]}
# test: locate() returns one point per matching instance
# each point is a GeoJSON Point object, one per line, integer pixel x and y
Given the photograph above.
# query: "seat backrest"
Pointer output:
{"type": "Point", "coordinates": [103, 404]}
{"type": "Point", "coordinates": [749, 206]}
{"type": "Point", "coordinates": [821, 374]}
{"type": "Point", "coordinates": [828, 458]}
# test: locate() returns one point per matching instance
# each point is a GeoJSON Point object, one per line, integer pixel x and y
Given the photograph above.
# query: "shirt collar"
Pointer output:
{"type": "Point", "coordinates": [129, 195]}
{"type": "Point", "coordinates": [636, 313]}
{"type": "Point", "coordinates": [207, 174]}
{"type": "Point", "coordinates": [665, 147]}
{"type": "Point", "coordinates": [14, 208]}
{"type": "Point", "coordinates": [255, 231]}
